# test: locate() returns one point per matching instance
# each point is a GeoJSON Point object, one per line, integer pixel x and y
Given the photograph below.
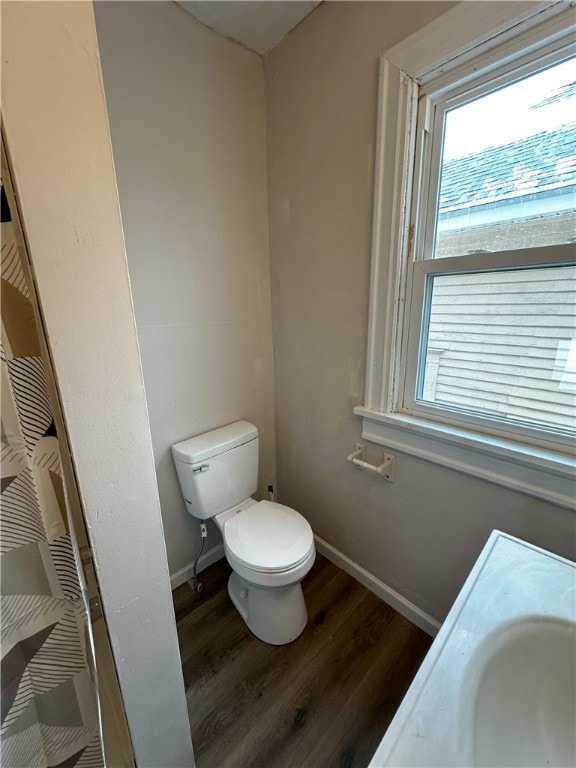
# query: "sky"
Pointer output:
{"type": "Point", "coordinates": [511, 113]}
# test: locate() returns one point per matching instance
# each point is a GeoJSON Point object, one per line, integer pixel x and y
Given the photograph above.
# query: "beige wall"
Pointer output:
{"type": "Point", "coordinates": [421, 534]}
{"type": "Point", "coordinates": [54, 115]}
{"type": "Point", "coordinates": [187, 118]}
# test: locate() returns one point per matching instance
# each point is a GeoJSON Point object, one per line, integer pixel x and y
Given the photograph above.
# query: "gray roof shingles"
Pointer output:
{"type": "Point", "coordinates": [540, 162]}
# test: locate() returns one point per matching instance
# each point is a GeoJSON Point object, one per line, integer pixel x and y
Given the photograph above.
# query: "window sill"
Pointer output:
{"type": "Point", "coordinates": [533, 471]}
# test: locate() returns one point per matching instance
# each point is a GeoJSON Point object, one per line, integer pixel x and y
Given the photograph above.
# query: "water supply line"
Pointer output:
{"type": "Point", "coordinates": [194, 582]}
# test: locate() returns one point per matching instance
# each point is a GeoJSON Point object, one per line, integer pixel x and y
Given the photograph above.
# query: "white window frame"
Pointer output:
{"type": "Point", "coordinates": [463, 40]}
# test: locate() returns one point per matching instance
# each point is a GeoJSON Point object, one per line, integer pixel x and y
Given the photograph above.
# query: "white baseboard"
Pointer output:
{"type": "Point", "coordinates": [206, 559]}
{"type": "Point", "coordinates": [381, 590]}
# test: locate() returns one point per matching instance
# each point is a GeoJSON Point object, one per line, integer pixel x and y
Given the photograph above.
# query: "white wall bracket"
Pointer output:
{"type": "Point", "coordinates": [387, 469]}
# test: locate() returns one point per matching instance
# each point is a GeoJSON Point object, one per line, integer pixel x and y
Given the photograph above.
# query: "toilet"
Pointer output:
{"type": "Point", "coordinates": [270, 547]}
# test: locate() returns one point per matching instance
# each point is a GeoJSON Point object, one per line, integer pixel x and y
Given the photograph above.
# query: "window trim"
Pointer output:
{"type": "Point", "coordinates": [460, 38]}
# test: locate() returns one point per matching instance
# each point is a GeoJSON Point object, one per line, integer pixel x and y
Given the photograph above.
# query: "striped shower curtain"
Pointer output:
{"type": "Point", "coordinates": [49, 713]}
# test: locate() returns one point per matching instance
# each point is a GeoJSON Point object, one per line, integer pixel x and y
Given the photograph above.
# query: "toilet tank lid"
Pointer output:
{"type": "Point", "coordinates": [212, 443]}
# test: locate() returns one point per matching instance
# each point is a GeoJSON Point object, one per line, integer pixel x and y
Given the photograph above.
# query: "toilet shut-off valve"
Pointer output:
{"type": "Point", "coordinates": [386, 469]}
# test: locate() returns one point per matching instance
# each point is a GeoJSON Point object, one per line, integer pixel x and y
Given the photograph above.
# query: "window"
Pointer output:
{"type": "Point", "coordinates": [472, 345]}
{"type": "Point", "coordinates": [491, 272]}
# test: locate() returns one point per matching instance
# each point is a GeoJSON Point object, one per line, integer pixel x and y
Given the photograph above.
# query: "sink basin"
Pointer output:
{"type": "Point", "coordinates": [524, 712]}
{"type": "Point", "coordinates": [498, 685]}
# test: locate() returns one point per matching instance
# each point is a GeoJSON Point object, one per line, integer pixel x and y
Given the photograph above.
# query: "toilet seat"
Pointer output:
{"type": "Point", "coordinates": [268, 537]}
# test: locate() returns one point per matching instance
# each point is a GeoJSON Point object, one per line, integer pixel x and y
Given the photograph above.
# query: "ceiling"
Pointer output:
{"type": "Point", "coordinates": [259, 25]}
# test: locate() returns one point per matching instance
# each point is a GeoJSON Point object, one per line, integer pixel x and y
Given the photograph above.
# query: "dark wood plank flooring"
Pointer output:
{"type": "Point", "coordinates": [324, 700]}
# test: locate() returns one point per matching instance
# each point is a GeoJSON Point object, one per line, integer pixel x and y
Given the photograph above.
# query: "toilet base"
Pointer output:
{"type": "Point", "coordinates": [276, 615]}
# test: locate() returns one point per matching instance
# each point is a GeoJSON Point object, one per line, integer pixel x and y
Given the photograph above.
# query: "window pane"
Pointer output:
{"type": "Point", "coordinates": [503, 344]}
{"type": "Point", "coordinates": [508, 169]}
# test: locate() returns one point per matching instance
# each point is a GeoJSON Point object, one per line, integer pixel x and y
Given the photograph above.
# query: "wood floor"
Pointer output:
{"type": "Point", "coordinates": [322, 701]}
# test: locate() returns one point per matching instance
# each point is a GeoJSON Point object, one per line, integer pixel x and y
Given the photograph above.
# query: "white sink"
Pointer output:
{"type": "Point", "coordinates": [498, 685]}
{"type": "Point", "coordinates": [524, 712]}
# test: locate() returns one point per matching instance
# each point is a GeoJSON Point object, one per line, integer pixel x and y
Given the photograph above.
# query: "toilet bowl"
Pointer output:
{"type": "Point", "coordinates": [269, 546]}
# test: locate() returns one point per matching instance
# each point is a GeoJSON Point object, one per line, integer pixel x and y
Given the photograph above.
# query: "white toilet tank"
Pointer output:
{"type": "Point", "coordinates": [219, 469]}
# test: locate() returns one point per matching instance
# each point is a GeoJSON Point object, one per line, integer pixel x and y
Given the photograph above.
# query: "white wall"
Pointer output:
{"type": "Point", "coordinates": [58, 142]}
{"type": "Point", "coordinates": [421, 534]}
{"type": "Point", "coordinates": [187, 118]}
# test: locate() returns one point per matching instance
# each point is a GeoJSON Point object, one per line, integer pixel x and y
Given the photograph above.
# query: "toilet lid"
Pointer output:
{"type": "Point", "coordinates": [268, 537]}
